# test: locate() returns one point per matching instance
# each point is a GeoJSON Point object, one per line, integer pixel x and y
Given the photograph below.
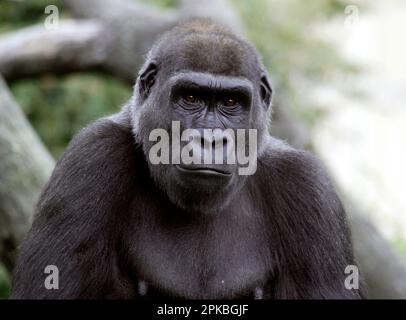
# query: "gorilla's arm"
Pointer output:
{"type": "Point", "coordinates": [88, 195]}
{"type": "Point", "coordinates": [308, 225]}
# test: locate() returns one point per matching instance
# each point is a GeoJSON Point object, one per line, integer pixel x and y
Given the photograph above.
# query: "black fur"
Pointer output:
{"type": "Point", "coordinates": [116, 227]}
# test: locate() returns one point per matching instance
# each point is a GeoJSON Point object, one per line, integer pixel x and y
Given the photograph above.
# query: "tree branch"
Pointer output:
{"type": "Point", "coordinates": [117, 38]}
{"type": "Point", "coordinates": [108, 10]}
{"type": "Point", "coordinates": [75, 45]}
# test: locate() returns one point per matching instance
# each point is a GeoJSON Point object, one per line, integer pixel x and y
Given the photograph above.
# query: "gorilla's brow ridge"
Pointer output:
{"type": "Point", "coordinates": [210, 81]}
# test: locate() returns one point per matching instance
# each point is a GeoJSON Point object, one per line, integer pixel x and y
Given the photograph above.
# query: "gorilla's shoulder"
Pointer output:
{"type": "Point", "coordinates": [99, 153]}
{"type": "Point", "coordinates": [100, 136]}
{"type": "Point", "coordinates": [284, 164]}
{"type": "Point", "coordinates": [299, 178]}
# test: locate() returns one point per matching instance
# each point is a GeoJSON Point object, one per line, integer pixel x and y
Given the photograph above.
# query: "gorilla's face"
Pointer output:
{"type": "Point", "coordinates": [212, 84]}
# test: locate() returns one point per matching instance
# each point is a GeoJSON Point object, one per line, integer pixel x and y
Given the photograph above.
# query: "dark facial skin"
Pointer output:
{"type": "Point", "coordinates": [202, 101]}
{"type": "Point", "coordinates": [220, 99]}
{"type": "Point", "coordinates": [207, 101]}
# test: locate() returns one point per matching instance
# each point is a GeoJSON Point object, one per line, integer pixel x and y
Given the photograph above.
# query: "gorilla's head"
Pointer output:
{"type": "Point", "coordinates": [204, 77]}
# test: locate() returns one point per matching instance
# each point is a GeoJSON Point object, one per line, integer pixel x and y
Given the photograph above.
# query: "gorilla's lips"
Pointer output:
{"type": "Point", "coordinates": [204, 171]}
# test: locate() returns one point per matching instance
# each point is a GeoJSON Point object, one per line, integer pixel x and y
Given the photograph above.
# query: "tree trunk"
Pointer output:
{"type": "Point", "coordinates": [25, 166]}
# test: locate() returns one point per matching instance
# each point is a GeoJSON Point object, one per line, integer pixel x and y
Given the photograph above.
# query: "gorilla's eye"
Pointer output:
{"type": "Point", "coordinates": [190, 98]}
{"type": "Point", "coordinates": [230, 102]}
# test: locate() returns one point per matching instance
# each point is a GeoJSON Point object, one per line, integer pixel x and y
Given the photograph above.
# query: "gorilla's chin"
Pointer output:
{"type": "Point", "coordinates": [198, 190]}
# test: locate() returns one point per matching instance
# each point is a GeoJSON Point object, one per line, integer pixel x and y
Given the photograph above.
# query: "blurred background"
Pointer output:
{"type": "Point", "coordinates": [338, 70]}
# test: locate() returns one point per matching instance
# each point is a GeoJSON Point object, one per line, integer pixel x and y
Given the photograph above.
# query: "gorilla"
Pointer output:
{"type": "Point", "coordinates": [117, 226]}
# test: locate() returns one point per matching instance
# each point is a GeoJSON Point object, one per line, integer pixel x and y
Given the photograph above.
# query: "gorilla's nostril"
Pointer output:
{"type": "Point", "coordinates": [202, 142]}
{"type": "Point", "coordinates": [216, 143]}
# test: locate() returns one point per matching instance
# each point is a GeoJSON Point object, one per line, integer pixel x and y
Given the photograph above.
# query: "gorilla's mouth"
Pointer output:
{"type": "Point", "coordinates": [204, 171]}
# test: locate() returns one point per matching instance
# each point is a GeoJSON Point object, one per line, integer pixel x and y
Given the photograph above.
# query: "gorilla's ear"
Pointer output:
{"type": "Point", "coordinates": [265, 90]}
{"type": "Point", "coordinates": [147, 80]}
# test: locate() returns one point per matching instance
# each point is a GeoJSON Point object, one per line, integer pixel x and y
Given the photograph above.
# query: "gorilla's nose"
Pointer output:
{"type": "Point", "coordinates": [212, 146]}
{"type": "Point", "coordinates": [211, 142]}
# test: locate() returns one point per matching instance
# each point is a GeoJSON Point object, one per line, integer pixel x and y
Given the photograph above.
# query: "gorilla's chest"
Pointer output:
{"type": "Point", "coordinates": [221, 259]}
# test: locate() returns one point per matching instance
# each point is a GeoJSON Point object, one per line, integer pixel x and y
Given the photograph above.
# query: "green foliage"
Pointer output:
{"type": "Point", "coordinates": [399, 243]}
{"type": "Point", "coordinates": [283, 31]}
{"type": "Point", "coordinates": [163, 3]}
{"type": "Point", "coordinates": [4, 283]}
{"type": "Point", "coordinates": [15, 14]}
{"type": "Point", "coordinates": [58, 107]}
